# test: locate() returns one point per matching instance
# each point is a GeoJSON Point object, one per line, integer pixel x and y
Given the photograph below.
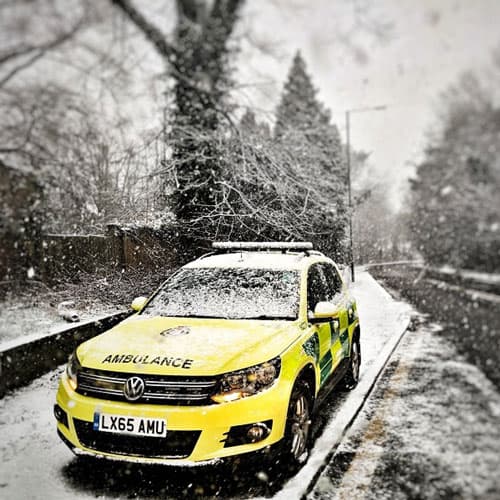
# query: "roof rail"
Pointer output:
{"type": "Point", "coordinates": [262, 246]}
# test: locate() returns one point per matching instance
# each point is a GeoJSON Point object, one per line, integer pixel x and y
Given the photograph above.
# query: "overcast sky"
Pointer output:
{"type": "Point", "coordinates": [398, 53]}
{"type": "Point", "coordinates": [360, 53]}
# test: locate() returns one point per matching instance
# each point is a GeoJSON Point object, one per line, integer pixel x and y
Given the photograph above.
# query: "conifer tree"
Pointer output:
{"type": "Point", "coordinates": [300, 113]}
{"type": "Point", "coordinates": [299, 108]}
{"type": "Point", "coordinates": [303, 126]}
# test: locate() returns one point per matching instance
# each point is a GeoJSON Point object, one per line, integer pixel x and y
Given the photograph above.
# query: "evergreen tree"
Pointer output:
{"type": "Point", "coordinates": [300, 115]}
{"type": "Point", "coordinates": [303, 126]}
{"type": "Point", "coordinates": [455, 205]}
{"type": "Point", "coordinates": [299, 108]}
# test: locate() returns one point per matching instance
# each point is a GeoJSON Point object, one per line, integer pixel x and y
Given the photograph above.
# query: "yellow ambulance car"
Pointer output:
{"type": "Point", "coordinates": [230, 355]}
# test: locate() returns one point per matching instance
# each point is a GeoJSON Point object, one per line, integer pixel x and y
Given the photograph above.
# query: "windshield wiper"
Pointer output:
{"type": "Point", "coordinates": [202, 316]}
{"type": "Point", "coordinates": [266, 316]}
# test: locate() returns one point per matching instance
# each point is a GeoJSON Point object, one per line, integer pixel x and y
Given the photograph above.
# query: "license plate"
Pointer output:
{"type": "Point", "coordinates": [136, 426]}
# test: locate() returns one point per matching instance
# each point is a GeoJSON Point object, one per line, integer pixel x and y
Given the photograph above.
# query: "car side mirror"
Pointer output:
{"type": "Point", "coordinates": [138, 303]}
{"type": "Point", "coordinates": [324, 310]}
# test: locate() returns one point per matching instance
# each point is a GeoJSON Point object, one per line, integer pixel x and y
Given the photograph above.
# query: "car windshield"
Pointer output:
{"type": "Point", "coordinates": [232, 293]}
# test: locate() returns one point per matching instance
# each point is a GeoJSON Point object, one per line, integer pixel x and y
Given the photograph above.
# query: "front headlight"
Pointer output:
{"type": "Point", "coordinates": [243, 383]}
{"type": "Point", "coordinates": [72, 370]}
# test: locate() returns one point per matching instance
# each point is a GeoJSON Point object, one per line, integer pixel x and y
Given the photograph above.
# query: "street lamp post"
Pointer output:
{"type": "Point", "coordinates": [348, 163]}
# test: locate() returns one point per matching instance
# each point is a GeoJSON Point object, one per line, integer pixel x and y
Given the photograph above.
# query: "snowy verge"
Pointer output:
{"type": "Point", "coordinates": [22, 319]}
{"type": "Point", "coordinates": [472, 281]}
{"type": "Point", "coordinates": [61, 329]}
{"type": "Point", "coordinates": [430, 430]}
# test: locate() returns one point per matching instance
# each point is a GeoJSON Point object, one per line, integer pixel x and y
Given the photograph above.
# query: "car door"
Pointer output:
{"type": "Point", "coordinates": [317, 292]}
{"type": "Point", "coordinates": [340, 323]}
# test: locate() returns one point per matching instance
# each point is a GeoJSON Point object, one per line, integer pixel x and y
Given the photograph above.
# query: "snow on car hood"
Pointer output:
{"type": "Point", "coordinates": [187, 346]}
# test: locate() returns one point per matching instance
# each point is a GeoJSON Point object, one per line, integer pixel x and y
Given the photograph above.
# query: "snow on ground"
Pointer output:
{"type": "Point", "coordinates": [31, 457]}
{"type": "Point", "coordinates": [431, 430]}
{"type": "Point", "coordinates": [20, 318]}
{"type": "Point", "coordinates": [35, 464]}
{"type": "Point", "coordinates": [473, 294]}
{"type": "Point", "coordinates": [33, 309]}
{"type": "Point", "coordinates": [380, 317]}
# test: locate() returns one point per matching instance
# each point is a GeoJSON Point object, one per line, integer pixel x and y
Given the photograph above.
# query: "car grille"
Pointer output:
{"type": "Point", "coordinates": [164, 390]}
{"type": "Point", "coordinates": [177, 444]}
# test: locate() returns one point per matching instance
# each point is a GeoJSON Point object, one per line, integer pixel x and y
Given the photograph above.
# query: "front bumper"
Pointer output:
{"type": "Point", "coordinates": [196, 435]}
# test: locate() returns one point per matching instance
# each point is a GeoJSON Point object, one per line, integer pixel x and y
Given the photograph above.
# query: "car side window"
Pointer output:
{"type": "Point", "coordinates": [333, 282]}
{"type": "Point", "coordinates": [316, 287]}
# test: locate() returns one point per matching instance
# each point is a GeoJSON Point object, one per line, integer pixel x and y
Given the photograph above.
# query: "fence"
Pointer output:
{"type": "Point", "coordinates": [56, 256]}
{"type": "Point", "coordinates": [119, 248]}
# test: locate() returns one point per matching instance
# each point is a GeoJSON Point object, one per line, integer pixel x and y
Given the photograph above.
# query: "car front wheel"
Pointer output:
{"type": "Point", "coordinates": [298, 425]}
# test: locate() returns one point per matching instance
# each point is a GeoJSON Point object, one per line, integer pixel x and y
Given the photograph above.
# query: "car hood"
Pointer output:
{"type": "Point", "coordinates": [187, 346]}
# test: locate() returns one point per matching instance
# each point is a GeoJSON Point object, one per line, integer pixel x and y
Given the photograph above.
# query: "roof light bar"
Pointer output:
{"type": "Point", "coordinates": [263, 245]}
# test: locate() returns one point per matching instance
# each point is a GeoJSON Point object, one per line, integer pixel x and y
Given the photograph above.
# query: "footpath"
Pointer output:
{"type": "Point", "coordinates": [430, 429]}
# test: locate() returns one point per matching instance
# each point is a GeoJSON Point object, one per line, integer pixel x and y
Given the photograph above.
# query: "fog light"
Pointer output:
{"type": "Point", "coordinates": [257, 433]}
{"type": "Point", "coordinates": [247, 434]}
{"type": "Point", "coordinates": [61, 415]}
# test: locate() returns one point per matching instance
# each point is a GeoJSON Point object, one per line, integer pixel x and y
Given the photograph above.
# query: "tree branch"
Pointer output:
{"type": "Point", "coordinates": [152, 33]}
{"type": "Point", "coordinates": [39, 52]}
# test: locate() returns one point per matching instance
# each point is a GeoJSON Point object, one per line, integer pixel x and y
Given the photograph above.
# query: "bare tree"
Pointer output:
{"type": "Point", "coordinates": [61, 68]}
{"type": "Point", "coordinates": [23, 49]}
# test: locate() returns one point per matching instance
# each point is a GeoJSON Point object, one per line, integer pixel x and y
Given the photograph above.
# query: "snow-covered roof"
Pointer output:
{"type": "Point", "coordinates": [262, 260]}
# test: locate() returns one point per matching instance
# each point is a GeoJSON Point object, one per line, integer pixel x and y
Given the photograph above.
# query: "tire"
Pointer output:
{"type": "Point", "coordinates": [351, 378]}
{"type": "Point", "coordinates": [295, 445]}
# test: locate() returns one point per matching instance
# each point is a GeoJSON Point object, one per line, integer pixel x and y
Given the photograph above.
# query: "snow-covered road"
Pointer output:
{"type": "Point", "coordinates": [36, 465]}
